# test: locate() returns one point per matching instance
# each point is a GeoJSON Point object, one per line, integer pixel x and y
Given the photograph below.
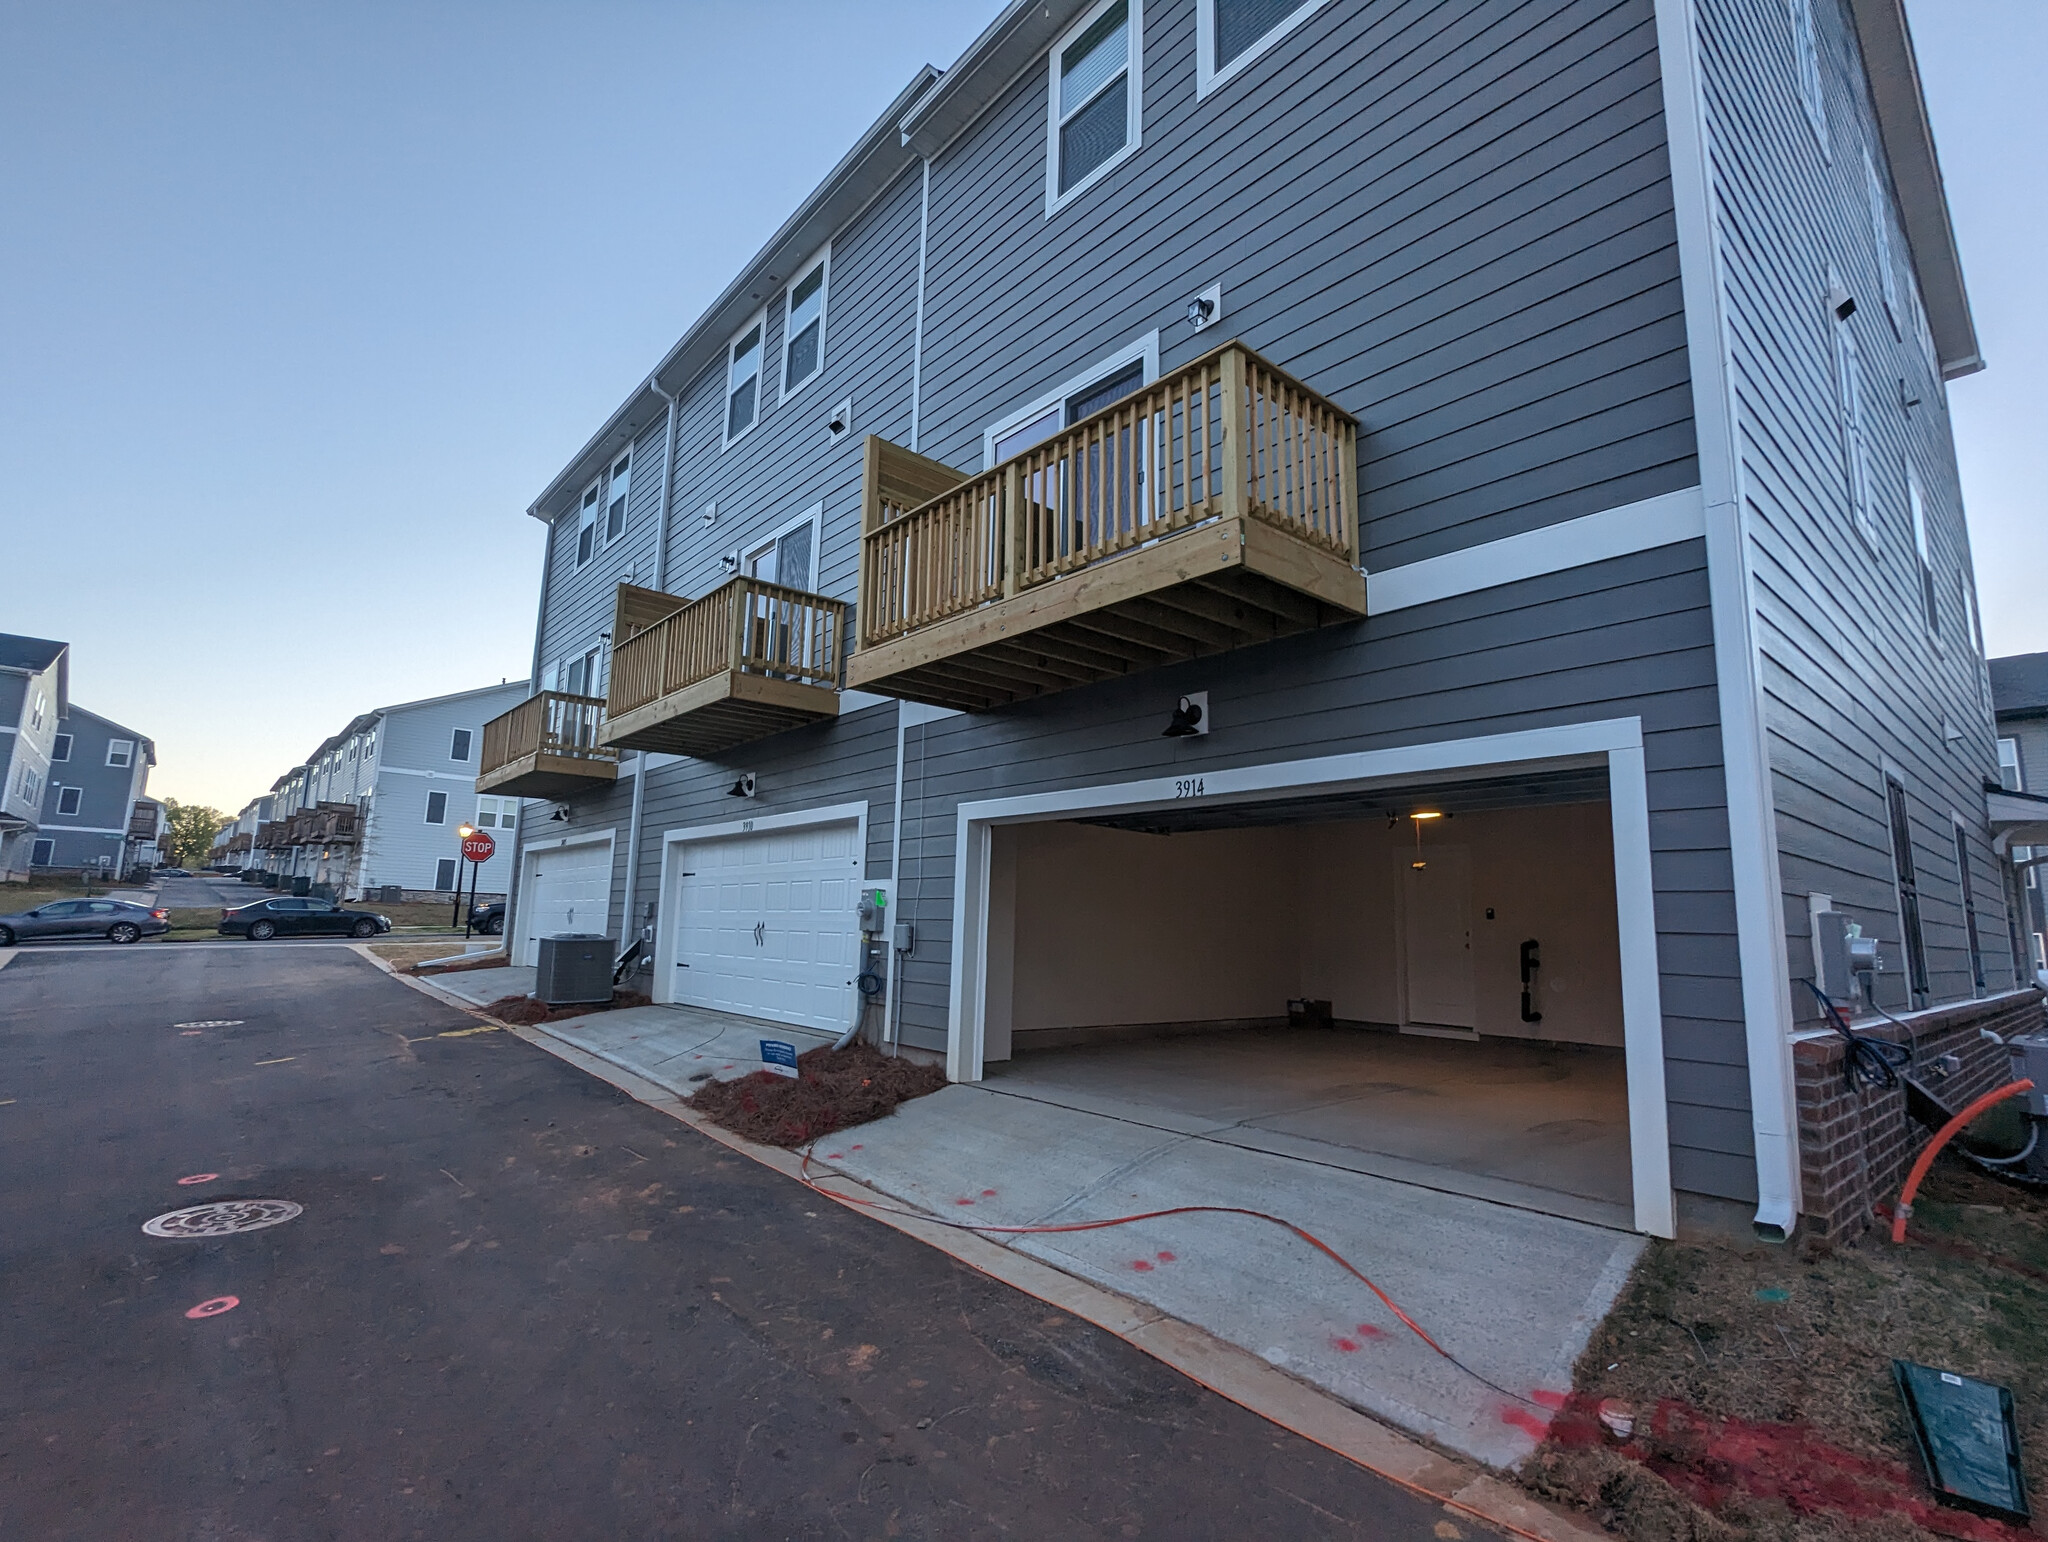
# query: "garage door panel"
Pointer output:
{"type": "Point", "coordinates": [568, 890]}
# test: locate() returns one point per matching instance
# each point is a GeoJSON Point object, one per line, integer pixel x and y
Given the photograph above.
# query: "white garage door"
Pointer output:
{"type": "Point", "coordinates": [765, 925]}
{"type": "Point", "coordinates": [567, 890]}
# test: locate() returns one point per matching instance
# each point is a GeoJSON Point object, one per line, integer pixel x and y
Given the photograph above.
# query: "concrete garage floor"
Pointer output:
{"type": "Point", "coordinates": [1536, 1125]}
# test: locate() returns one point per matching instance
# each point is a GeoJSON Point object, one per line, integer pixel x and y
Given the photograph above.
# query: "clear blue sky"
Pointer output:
{"type": "Point", "coordinates": [300, 306]}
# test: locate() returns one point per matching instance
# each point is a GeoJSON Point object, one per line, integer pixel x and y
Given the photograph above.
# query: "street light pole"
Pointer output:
{"type": "Point", "coordinates": [462, 833]}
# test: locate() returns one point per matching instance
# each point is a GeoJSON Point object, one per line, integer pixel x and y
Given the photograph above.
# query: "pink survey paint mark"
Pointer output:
{"type": "Point", "coordinates": [187, 1182]}
{"type": "Point", "coordinates": [833, 1156]}
{"type": "Point", "coordinates": [854, 1148]}
{"type": "Point", "coordinates": [1366, 1330]}
{"type": "Point", "coordinates": [963, 1201]}
{"type": "Point", "coordinates": [191, 1033]}
{"type": "Point", "coordinates": [1347, 1346]}
{"type": "Point", "coordinates": [1547, 1399]}
{"type": "Point", "coordinates": [988, 1193]}
{"type": "Point", "coordinates": [1166, 1257]}
{"type": "Point", "coordinates": [214, 1307]}
{"type": "Point", "coordinates": [1142, 1265]}
{"type": "Point", "coordinates": [1532, 1425]}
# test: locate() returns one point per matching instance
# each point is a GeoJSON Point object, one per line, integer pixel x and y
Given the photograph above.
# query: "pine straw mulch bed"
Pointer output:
{"type": "Point", "coordinates": [1760, 1378]}
{"type": "Point", "coordinates": [527, 1012]}
{"type": "Point", "coordinates": [832, 1090]}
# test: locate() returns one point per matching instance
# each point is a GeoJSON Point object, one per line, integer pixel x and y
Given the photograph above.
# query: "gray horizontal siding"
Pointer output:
{"type": "Point", "coordinates": [1849, 671]}
{"type": "Point", "coordinates": [1454, 220]}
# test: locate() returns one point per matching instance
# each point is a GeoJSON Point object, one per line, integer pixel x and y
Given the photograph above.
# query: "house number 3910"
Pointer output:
{"type": "Point", "coordinates": [1189, 787]}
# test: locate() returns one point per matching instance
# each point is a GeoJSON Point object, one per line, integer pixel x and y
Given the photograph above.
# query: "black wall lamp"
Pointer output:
{"type": "Point", "coordinates": [1190, 717]}
{"type": "Point", "coordinates": [743, 788]}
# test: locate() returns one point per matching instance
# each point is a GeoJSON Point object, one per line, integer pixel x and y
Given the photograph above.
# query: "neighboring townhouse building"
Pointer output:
{"type": "Point", "coordinates": [149, 833]}
{"type": "Point", "coordinates": [35, 693]}
{"type": "Point", "coordinates": [2019, 696]}
{"type": "Point", "coordinates": [377, 808]}
{"type": "Point", "coordinates": [98, 773]}
{"type": "Point", "coordinates": [1443, 519]}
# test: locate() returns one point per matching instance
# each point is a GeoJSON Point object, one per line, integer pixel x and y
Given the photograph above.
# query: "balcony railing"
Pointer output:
{"type": "Point", "coordinates": [547, 747]}
{"type": "Point", "coordinates": [1222, 497]}
{"type": "Point", "coordinates": [747, 660]}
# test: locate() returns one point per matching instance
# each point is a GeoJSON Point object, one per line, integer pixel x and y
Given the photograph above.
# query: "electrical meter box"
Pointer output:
{"type": "Point", "coordinates": [874, 911]}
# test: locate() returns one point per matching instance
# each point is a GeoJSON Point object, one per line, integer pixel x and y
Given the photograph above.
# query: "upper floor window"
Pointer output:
{"type": "Point", "coordinates": [1229, 34]}
{"type": "Point", "coordinates": [2009, 774]}
{"type": "Point", "coordinates": [458, 745]}
{"type": "Point", "coordinates": [1881, 235]}
{"type": "Point", "coordinates": [437, 808]}
{"type": "Point", "coordinates": [1855, 437]}
{"type": "Point", "coordinates": [620, 487]}
{"type": "Point", "coordinates": [68, 799]}
{"type": "Point", "coordinates": [1916, 506]}
{"type": "Point", "coordinates": [61, 750]}
{"type": "Point", "coordinates": [1806, 62]}
{"type": "Point", "coordinates": [120, 752]}
{"type": "Point", "coordinates": [586, 521]}
{"type": "Point", "coordinates": [497, 813]}
{"type": "Point", "coordinates": [803, 326]}
{"type": "Point", "coordinates": [1107, 381]}
{"type": "Point", "coordinates": [743, 380]}
{"type": "Point", "coordinates": [35, 717]}
{"type": "Point", "coordinates": [1094, 92]}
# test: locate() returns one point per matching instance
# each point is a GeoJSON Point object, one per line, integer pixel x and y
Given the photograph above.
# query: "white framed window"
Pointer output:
{"type": "Point", "coordinates": [1106, 380]}
{"type": "Point", "coordinates": [1854, 431]}
{"type": "Point", "coordinates": [2010, 777]}
{"type": "Point", "coordinates": [60, 749]}
{"type": "Point", "coordinates": [68, 799]}
{"type": "Point", "coordinates": [1093, 92]}
{"type": "Point", "coordinates": [1229, 34]}
{"type": "Point", "coordinates": [586, 521]}
{"type": "Point", "coordinates": [444, 875]}
{"type": "Point", "coordinates": [120, 752]}
{"type": "Point", "coordinates": [803, 324]}
{"type": "Point", "coordinates": [458, 744]}
{"type": "Point", "coordinates": [743, 378]}
{"type": "Point", "coordinates": [551, 677]}
{"type": "Point", "coordinates": [35, 717]}
{"type": "Point", "coordinates": [618, 488]}
{"type": "Point", "coordinates": [584, 673]}
{"type": "Point", "coordinates": [1881, 236]}
{"type": "Point", "coordinates": [437, 808]}
{"type": "Point", "coordinates": [789, 555]}
{"type": "Point", "coordinates": [1806, 65]}
{"type": "Point", "coordinates": [40, 853]}
{"type": "Point", "coordinates": [1916, 508]}
{"type": "Point", "coordinates": [497, 813]}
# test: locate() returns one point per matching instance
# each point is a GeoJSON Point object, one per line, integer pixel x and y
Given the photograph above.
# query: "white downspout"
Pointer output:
{"type": "Point", "coordinates": [540, 623]}
{"type": "Point", "coordinates": [627, 922]}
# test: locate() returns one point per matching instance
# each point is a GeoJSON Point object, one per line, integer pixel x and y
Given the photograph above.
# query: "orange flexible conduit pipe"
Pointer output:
{"type": "Point", "coordinates": [1903, 1211]}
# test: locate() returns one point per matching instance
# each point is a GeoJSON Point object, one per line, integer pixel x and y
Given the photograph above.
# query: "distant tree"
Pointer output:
{"type": "Point", "coordinates": [192, 828]}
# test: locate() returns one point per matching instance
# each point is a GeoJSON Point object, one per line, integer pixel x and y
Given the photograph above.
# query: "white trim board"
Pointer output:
{"type": "Point", "coordinates": [1621, 531]}
{"type": "Point", "coordinates": [1616, 742]}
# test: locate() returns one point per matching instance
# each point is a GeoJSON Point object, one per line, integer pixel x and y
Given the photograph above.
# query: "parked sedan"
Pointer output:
{"type": "Point", "coordinates": [172, 872]}
{"type": "Point", "coordinates": [488, 920]}
{"type": "Point", "coordinates": [115, 920]}
{"type": "Point", "coordinates": [298, 917]}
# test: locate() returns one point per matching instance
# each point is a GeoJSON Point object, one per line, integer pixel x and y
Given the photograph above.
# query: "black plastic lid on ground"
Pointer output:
{"type": "Point", "coordinates": [1968, 1438]}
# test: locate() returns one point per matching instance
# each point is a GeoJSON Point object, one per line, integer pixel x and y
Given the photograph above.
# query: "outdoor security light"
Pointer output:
{"type": "Point", "coordinates": [1205, 307]}
{"type": "Point", "coordinates": [465, 831]}
{"type": "Point", "coordinates": [743, 788]}
{"type": "Point", "coordinates": [560, 816]}
{"type": "Point", "coordinates": [1190, 717]}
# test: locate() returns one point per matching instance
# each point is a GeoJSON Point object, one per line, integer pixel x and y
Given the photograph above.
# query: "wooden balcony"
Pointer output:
{"type": "Point", "coordinates": [747, 660]}
{"type": "Point", "coordinates": [547, 747]}
{"type": "Point", "coordinates": [1215, 508]}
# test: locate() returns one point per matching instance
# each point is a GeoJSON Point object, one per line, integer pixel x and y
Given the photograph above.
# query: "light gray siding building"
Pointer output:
{"type": "Point", "coordinates": [1461, 405]}
{"type": "Point", "coordinates": [99, 772]}
{"type": "Point", "coordinates": [2019, 694]}
{"type": "Point", "coordinates": [35, 692]}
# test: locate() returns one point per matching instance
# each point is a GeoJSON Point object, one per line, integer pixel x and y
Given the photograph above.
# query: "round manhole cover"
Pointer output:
{"type": "Point", "coordinates": [222, 1219]}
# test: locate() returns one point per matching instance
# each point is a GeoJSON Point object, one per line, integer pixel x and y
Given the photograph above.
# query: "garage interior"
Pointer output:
{"type": "Point", "coordinates": [1336, 978]}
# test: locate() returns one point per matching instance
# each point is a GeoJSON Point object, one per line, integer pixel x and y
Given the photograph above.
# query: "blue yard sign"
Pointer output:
{"type": "Point", "coordinates": [778, 1057]}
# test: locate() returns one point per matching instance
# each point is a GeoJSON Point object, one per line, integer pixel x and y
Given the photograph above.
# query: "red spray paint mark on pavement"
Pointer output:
{"type": "Point", "coordinates": [190, 1033]}
{"type": "Point", "coordinates": [215, 1307]}
{"type": "Point", "coordinates": [963, 1201]}
{"type": "Point", "coordinates": [1530, 1424]}
{"type": "Point", "coordinates": [1142, 1265]}
{"type": "Point", "coordinates": [1366, 1330]}
{"type": "Point", "coordinates": [833, 1156]}
{"type": "Point", "coordinates": [1545, 1398]}
{"type": "Point", "coordinates": [988, 1193]}
{"type": "Point", "coordinates": [1167, 1258]}
{"type": "Point", "coordinates": [186, 1183]}
{"type": "Point", "coordinates": [1348, 1346]}
{"type": "Point", "coordinates": [853, 1148]}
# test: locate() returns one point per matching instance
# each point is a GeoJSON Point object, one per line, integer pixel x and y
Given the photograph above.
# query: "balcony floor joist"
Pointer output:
{"type": "Point", "coordinates": [1221, 586]}
{"type": "Point", "coordinates": [542, 775]}
{"type": "Point", "coordinates": [731, 708]}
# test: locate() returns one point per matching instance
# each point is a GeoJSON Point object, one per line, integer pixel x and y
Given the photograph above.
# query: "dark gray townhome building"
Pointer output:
{"type": "Point", "coordinates": [2019, 698]}
{"type": "Point", "coordinates": [1434, 523]}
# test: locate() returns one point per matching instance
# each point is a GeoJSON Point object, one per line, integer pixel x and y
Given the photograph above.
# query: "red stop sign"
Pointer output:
{"type": "Point", "coordinates": [479, 847]}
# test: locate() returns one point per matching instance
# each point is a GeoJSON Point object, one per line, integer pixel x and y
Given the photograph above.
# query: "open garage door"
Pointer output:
{"type": "Point", "coordinates": [765, 925]}
{"type": "Point", "coordinates": [565, 889]}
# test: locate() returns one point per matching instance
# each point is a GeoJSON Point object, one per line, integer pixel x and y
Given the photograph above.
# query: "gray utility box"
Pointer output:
{"type": "Point", "coordinates": [574, 967]}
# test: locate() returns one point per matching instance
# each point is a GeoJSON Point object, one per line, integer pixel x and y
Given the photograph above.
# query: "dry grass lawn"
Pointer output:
{"type": "Point", "coordinates": [402, 955]}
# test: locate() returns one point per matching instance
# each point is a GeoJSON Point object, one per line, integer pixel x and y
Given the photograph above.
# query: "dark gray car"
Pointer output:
{"type": "Point", "coordinates": [114, 920]}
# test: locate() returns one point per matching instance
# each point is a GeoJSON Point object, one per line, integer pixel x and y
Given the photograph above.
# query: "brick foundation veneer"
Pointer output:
{"type": "Point", "coordinates": [1856, 1145]}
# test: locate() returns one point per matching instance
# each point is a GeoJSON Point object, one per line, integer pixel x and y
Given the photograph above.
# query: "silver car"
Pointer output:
{"type": "Point", "coordinates": [115, 920]}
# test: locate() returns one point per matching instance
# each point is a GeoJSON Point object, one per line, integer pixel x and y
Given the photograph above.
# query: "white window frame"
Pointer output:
{"type": "Point", "coordinates": [1808, 79]}
{"type": "Point", "coordinates": [1145, 347]}
{"type": "Point", "coordinates": [1207, 76]}
{"type": "Point", "coordinates": [127, 746]}
{"type": "Point", "coordinates": [822, 259]}
{"type": "Point", "coordinates": [1923, 552]}
{"type": "Point", "coordinates": [589, 509]}
{"type": "Point", "coordinates": [1134, 97]}
{"type": "Point", "coordinates": [468, 746]}
{"type": "Point", "coordinates": [727, 439]}
{"type": "Point", "coordinates": [504, 813]}
{"type": "Point", "coordinates": [1850, 392]}
{"type": "Point", "coordinates": [1881, 237]}
{"type": "Point", "coordinates": [60, 749]}
{"type": "Point", "coordinates": [2019, 771]}
{"type": "Point", "coordinates": [47, 845]}
{"type": "Point", "coordinates": [814, 516]}
{"type": "Point", "coordinates": [454, 867]}
{"type": "Point", "coordinates": [624, 453]}
{"type": "Point", "coordinates": [428, 812]}
{"type": "Point", "coordinates": [77, 797]}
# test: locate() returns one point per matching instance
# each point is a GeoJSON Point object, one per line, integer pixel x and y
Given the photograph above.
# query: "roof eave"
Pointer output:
{"type": "Point", "coordinates": [1010, 44]}
{"type": "Point", "coordinates": [1908, 136]}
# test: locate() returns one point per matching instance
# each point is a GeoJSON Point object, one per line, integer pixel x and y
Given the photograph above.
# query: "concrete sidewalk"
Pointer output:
{"type": "Point", "coordinates": [1512, 1293]}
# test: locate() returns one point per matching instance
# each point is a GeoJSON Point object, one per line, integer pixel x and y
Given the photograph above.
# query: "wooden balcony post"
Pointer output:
{"type": "Point", "coordinates": [738, 599]}
{"type": "Point", "coordinates": [1010, 515]}
{"type": "Point", "coordinates": [1347, 490]}
{"type": "Point", "coordinates": [1234, 448]}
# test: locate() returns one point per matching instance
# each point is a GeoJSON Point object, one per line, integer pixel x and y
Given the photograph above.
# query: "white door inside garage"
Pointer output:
{"type": "Point", "coordinates": [765, 925]}
{"type": "Point", "coordinates": [566, 889]}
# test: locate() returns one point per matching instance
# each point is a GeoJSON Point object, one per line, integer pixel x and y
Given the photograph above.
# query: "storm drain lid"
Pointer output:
{"type": "Point", "coordinates": [222, 1219]}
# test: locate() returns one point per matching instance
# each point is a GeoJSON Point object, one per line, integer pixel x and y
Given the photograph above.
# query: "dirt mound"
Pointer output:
{"type": "Point", "coordinates": [833, 1089]}
{"type": "Point", "coordinates": [526, 1011]}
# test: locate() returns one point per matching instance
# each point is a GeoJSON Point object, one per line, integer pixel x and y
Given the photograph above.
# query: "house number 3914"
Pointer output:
{"type": "Point", "coordinates": [1189, 787]}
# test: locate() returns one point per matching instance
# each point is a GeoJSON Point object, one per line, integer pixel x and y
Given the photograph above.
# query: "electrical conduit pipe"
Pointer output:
{"type": "Point", "coordinates": [1903, 1211]}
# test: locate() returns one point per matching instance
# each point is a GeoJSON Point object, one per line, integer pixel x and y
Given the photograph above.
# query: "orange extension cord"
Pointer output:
{"type": "Point", "coordinates": [1903, 1211]}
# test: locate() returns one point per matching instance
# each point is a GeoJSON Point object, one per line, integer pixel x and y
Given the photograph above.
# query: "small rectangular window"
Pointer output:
{"type": "Point", "coordinates": [1855, 442]}
{"type": "Point", "coordinates": [1969, 899]}
{"type": "Point", "coordinates": [120, 752]}
{"type": "Point", "coordinates": [586, 521]}
{"type": "Point", "coordinates": [1229, 34]}
{"type": "Point", "coordinates": [2009, 774]}
{"type": "Point", "coordinates": [1907, 887]}
{"type": "Point", "coordinates": [615, 497]}
{"type": "Point", "coordinates": [496, 813]}
{"type": "Point", "coordinates": [1806, 66]}
{"type": "Point", "coordinates": [458, 745]}
{"type": "Point", "coordinates": [743, 380]}
{"type": "Point", "coordinates": [41, 852]}
{"type": "Point", "coordinates": [61, 749]}
{"type": "Point", "coordinates": [803, 327]}
{"type": "Point", "coordinates": [1881, 235]}
{"type": "Point", "coordinates": [1094, 118]}
{"type": "Point", "coordinates": [444, 874]}
{"type": "Point", "coordinates": [68, 799]}
{"type": "Point", "coordinates": [1916, 506]}
{"type": "Point", "coordinates": [437, 808]}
